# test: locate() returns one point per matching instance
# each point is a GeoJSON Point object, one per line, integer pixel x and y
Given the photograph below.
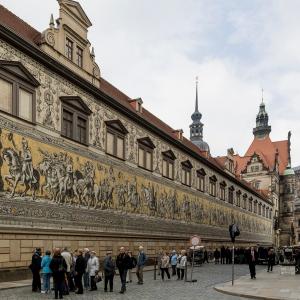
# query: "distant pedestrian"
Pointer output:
{"type": "Point", "coordinates": [252, 259]}
{"type": "Point", "coordinates": [205, 255]}
{"type": "Point", "coordinates": [46, 272]}
{"type": "Point", "coordinates": [271, 259]}
{"type": "Point", "coordinates": [35, 268]}
{"type": "Point", "coordinates": [93, 269]}
{"type": "Point", "coordinates": [122, 262]}
{"type": "Point", "coordinates": [158, 260]}
{"type": "Point", "coordinates": [131, 266]}
{"type": "Point", "coordinates": [217, 255]}
{"type": "Point", "coordinates": [58, 267]}
{"type": "Point", "coordinates": [223, 255]}
{"type": "Point", "coordinates": [178, 270]}
{"type": "Point", "coordinates": [86, 276]}
{"type": "Point", "coordinates": [183, 264]}
{"type": "Point", "coordinates": [80, 267]}
{"type": "Point", "coordinates": [109, 268]}
{"type": "Point", "coordinates": [174, 262]}
{"type": "Point", "coordinates": [165, 262]}
{"type": "Point", "coordinates": [68, 259]}
{"type": "Point", "coordinates": [140, 264]}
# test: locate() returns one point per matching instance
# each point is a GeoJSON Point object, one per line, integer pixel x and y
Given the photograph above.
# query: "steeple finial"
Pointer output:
{"type": "Point", "coordinates": [51, 24]}
{"type": "Point", "coordinates": [196, 104]}
{"type": "Point", "coordinates": [262, 95]}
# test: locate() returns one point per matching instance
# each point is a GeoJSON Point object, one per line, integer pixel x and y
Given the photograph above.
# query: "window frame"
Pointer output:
{"type": "Point", "coordinates": [146, 145]}
{"type": "Point", "coordinates": [238, 198]}
{"type": "Point", "coordinates": [169, 158]}
{"type": "Point", "coordinates": [19, 83]}
{"type": "Point", "coordinates": [200, 178]}
{"type": "Point", "coordinates": [222, 191]}
{"type": "Point", "coordinates": [186, 169]}
{"type": "Point", "coordinates": [213, 186]}
{"type": "Point", "coordinates": [68, 48]}
{"type": "Point", "coordinates": [231, 195]}
{"type": "Point", "coordinates": [78, 48]}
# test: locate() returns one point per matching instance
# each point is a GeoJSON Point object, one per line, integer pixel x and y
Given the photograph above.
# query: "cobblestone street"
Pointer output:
{"type": "Point", "coordinates": [207, 276]}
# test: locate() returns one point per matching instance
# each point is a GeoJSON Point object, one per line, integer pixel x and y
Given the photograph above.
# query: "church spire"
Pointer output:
{"type": "Point", "coordinates": [262, 128]}
{"type": "Point", "coordinates": [196, 128]}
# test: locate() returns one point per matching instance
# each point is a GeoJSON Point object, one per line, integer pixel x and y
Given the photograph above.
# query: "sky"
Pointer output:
{"type": "Point", "coordinates": [155, 49]}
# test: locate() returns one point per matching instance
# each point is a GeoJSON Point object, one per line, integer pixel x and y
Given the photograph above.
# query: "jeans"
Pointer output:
{"type": "Point", "coordinates": [139, 273]}
{"type": "Point", "coordinates": [180, 273]}
{"type": "Point", "coordinates": [123, 274]}
{"type": "Point", "coordinates": [46, 282]}
{"type": "Point", "coordinates": [86, 280]}
{"type": "Point", "coordinates": [173, 270]}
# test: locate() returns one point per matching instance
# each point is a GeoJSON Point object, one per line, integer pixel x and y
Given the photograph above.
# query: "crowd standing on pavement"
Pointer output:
{"type": "Point", "coordinates": [79, 271]}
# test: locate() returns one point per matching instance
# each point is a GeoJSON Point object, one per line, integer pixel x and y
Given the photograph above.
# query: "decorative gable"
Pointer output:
{"type": "Point", "coordinates": [117, 125]}
{"type": "Point", "coordinates": [77, 103]}
{"type": "Point", "coordinates": [146, 141]}
{"type": "Point", "coordinates": [187, 164]}
{"type": "Point", "coordinates": [170, 154]}
{"type": "Point", "coordinates": [17, 69]}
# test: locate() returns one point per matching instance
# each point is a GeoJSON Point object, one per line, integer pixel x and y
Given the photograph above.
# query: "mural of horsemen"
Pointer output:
{"type": "Point", "coordinates": [41, 172]}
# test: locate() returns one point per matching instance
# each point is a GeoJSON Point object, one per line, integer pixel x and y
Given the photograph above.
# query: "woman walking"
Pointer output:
{"type": "Point", "coordinates": [93, 269]}
{"type": "Point", "coordinates": [165, 261]}
{"type": "Point", "coordinates": [46, 271]}
{"type": "Point", "coordinates": [182, 264]}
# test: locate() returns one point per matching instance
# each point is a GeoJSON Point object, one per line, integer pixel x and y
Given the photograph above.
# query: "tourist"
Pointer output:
{"type": "Point", "coordinates": [109, 268]}
{"type": "Point", "coordinates": [93, 269]}
{"type": "Point", "coordinates": [58, 267]}
{"type": "Point", "coordinates": [122, 262]}
{"type": "Point", "coordinates": [132, 265]}
{"type": "Point", "coordinates": [86, 276]}
{"type": "Point", "coordinates": [35, 268]}
{"type": "Point", "coordinates": [165, 262]}
{"type": "Point", "coordinates": [183, 264]}
{"type": "Point", "coordinates": [158, 260]}
{"type": "Point", "coordinates": [80, 267]}
{"type": "Point", "coordinates": [252, 259]}
{"type": "Point", "coordinates": [205, 254]}
{"type": "Point", "coordinates": [140, 264]}
{"type": "Point", "coordinates": [178, 266]}
{"type": "Point", "coordinates": [72, 286]}
{"type": "Point", "coordinates": [174, 262]}
{"type": "Point", "coordinates": [271, 259]}
{"type": "Point", "coordinates": [217, 255]}
{"type": "Point", "coordinates": [46, 271]}
{"type": "Point", "coordinates": [68, 259]}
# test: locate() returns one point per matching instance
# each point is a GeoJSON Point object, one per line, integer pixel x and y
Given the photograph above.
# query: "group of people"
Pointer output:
{"type": "Point", "coordinates": [178, 263]}
{"type": "Point", "coordinates": [72, 272]}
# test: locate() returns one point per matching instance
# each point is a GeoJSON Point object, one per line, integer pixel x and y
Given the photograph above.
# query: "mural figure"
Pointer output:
{"type": "Point", "coordinates": [133, 195]}
{"type": "Point", "coordinates": [149, 195]}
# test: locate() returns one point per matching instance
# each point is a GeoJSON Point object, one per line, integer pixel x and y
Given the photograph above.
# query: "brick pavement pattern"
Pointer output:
{"type": "Point", "coordinates": [207, 276]}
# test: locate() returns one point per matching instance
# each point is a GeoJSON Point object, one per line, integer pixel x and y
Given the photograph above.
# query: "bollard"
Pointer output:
{"type": "Point", "coordinates": [155, 261]}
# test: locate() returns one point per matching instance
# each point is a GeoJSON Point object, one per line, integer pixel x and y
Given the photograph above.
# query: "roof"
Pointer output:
{"type": "Point", "coordinates": [31, 35]}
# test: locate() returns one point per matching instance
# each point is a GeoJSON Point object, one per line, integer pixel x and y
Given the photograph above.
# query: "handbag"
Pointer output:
{"type": "Point", "coordinates": [98, 278]}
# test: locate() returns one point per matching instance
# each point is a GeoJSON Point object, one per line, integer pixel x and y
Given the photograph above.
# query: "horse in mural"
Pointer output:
{"type": "Point", "coordinates": [20, 171]}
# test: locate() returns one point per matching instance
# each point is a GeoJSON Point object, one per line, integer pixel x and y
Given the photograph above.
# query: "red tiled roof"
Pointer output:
{"type": "Point", "coordinates": [33, 36]}
{"type": "Point", "coordinates": [20, 27]}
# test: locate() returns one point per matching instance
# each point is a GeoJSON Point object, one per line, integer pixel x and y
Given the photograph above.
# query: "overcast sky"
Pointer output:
{"type": "Point", "coordinates": [155, 49]}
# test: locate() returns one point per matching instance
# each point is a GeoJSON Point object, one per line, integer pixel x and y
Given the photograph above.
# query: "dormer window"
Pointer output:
{"type": "Point", "coordinates": [75, 114]}
{"type": "Point", "coordinates": [186, 170]}
{"type": "Point", "coordinates": [168, 164]}
{"type": "Point", "coordinates": [69, 49]}
{"type": "Point", "coordinates": [79, 57]}
{"type": "Point", "coordinates": [17, 90]}
{"type": "Point", "coordinates": [115, 138]}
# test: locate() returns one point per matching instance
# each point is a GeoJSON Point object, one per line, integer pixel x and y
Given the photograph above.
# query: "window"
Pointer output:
{"type": "Point", "coordinates": [250, 204]}
{"type": "Point", "coordinates": [230, 194]}
{"type": "Point", "coordinates": [145, 156]}
{"type": "Point", "coordinates": [271, 211]}
{"type": "Point", "coordinates": [255, 207]}
{"type": "Point", "coordinates": [212, 186]}
{"type": "Point", "coordinates": [201, 180]}
{"type": "Point", "coordinates": [168, 164]}
{"type": "Point", "coordinates": [230, 166]}
{"type": "Point", "coordinates": [222, 190]}
{"type": "Point", "coordinates": [75, 119]}
{"type": "Point", "coordinates": [17, 90]}
{"type": "Point", "coordinates": [79, 57]}
{"type": "Point", "coordinates": [259, 209]}
{"type": "Point", "coordinates": [69, 49]}
{"type": "Point", "coordinates": [267, 212]}
{"type": "Point", "coordinates": [245, 201]}
{"type": "Point", "coordinates": [263, 211]}
{"type": "Point", "coordinates": [238, 198]}
{"type": "Point", "coordinates": [186, 170]}
{"type": "Point", "coordinates": [115, 138]}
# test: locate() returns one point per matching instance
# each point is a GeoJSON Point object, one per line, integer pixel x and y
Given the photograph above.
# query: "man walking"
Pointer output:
{"type": "Point", "coordinates": [68, 259]}
{"type": "Point", "coordinates": [35, 269]}
{"type": "Point", "coordinates": [271, 260]}
{"type": "Point", "coordinates": [86, 276]}
{"type": "Point", "coordinates": [93, 269]}
{"type": "Point", "coordinates": [109, 271]}
{"type": "Point", "coordinates": [252, 258]}
{"type": "Point", "coordinates": [79, 271]}
{"type": "Point", "coordinates": [141, 260]}
{"type": "Point", "coordinates": [123, 261]}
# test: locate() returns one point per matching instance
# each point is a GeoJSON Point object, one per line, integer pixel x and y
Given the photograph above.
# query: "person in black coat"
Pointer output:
{"type": "Point", "coordinates": [252, 259]}
{"type": "Point", "coordinates": [80, 267]}
{"type": "Point", "coordinates": [109, 268]}
{"type": "Point", "coordinates": [35, 268]}
{"type": "Point", "coordinates": [123, 263]}
{"type": "Point", "coordinates": [58, 267]}
{"type": "Point", "coordinates": [271, 259]}
{"type": "Point", "coordinates": [223, 255]}
{"type": "Point", "coordinates": [217, 255]}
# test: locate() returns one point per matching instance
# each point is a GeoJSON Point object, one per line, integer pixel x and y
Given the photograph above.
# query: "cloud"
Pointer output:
{"type": "Point", "coordinates": [154, 50]}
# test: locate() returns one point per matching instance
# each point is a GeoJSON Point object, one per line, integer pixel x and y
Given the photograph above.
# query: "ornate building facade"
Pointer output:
{"type": "Point", "coordinates": [266, 165]}
{"type": "Point", "coordinates": [84, 165]}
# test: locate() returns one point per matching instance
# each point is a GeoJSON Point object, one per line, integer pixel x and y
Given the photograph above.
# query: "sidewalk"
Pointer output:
{"type": "Point", "coordinates": [271, 286]}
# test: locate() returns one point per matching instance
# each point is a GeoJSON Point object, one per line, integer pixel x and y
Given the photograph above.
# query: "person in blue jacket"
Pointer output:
{"type": "Point", "coordinates": [141, 261]}
{"type": "Point", "coordinates": [173, 260]}
{"type": "Point", "coordinates": [46, 271]}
